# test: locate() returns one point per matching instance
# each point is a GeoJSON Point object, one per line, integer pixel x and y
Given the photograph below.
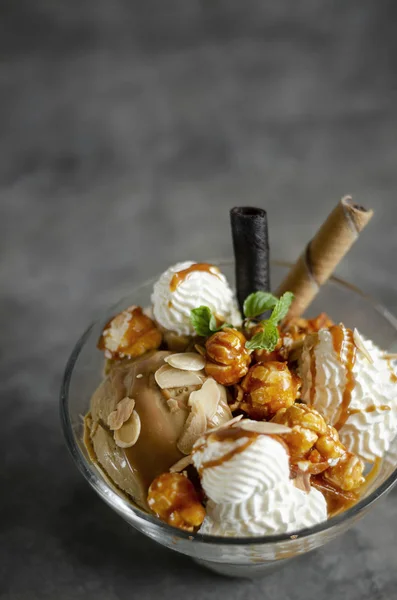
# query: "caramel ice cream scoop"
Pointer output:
{"type": "Point", "coordinates": [161, 420]}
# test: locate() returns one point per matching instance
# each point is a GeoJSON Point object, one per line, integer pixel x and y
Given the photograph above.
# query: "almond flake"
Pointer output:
{"type": "Point", "coordinates": [208, 396]}
{"type": "Point", "coordinates": [122, 413]}
{"type": "Point", "coordinates": [360, 345]}
{"type": "Point", "coordinates": [200, 349]}
{"type": "Point", "coordinates": [187, 361]}
{"type": "Point", "coordinates": [168, 377]}
{"type": "Point", "coordinates": [223, 413]}
{"type": "Point", "coordinates": [302, 482]}
{"type": "Point", "coordinates": [128, 434]}
{"type": "Point", "coordinates": [230, 423]}
{"type": "Point", "coordinates": [264, 427]}
{"type": "Point", "coordinates": [182, 464]}
{"type": "Point", "coordinates": [195, 427]}
{"type": "Point", "coordinates": [390, 356]}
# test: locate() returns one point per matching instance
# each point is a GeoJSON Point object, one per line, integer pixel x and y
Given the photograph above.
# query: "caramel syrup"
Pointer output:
{"type": "Point", "coordinates": [371, 476]}
{"type": "Point", "coordinates": [230, 435]}
{"type": "Point", "coordinates": [393, 375]}
{"type": "Point", "coordinates": [180, 276]}
{"type": "Point", "coordinates": [345, 348]}
{"type": "Point", "coordinates": [369, 409]}
{"type": "Point", "coordinates": [337, 500]}
{"type": "Point", "coordinates": [313, 371]}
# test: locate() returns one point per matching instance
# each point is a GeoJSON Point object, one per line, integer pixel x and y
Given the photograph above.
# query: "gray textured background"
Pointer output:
{"type": "Point", "coordinates": [127, 131]}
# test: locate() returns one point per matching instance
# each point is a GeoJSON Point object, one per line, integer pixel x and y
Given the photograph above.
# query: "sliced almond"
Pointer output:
{"type": "Point", "coordinates": [230, 423]}
{"type": "Point", "coordinates": [195, 427]}
{"type": "Point", "coordinates": [168, 377]}
{"type": "Point", "coordinates": [390, 356]}
{"type": "Point", "coordinates": [223, 415]}
{"type": "Point", "coordinates": [182, 464]}
{"type": "Point", "coordinates": [302, 482]}
{"type": "Point", "coordinates": [187, 361]}
{"type": "Point", "coordinates": [264, 427]}
{"type": "Point", "coordinates": [128, 434]}
{"type": "Point", "coordinates": [360, 345]}
{"type": "Point", "coordinates": [200, 349]}
{"type": "Point", "coordinates": [122, 413]}
{"type": "Point", "coordinates": [208, 396]}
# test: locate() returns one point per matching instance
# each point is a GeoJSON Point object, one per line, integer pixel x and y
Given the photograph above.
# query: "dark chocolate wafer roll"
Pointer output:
{"type": "Point", "coordinates": [251, 250]}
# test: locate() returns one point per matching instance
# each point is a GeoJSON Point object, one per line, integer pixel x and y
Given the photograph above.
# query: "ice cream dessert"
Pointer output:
{"type": "Point", "coordinates": [237, 419]}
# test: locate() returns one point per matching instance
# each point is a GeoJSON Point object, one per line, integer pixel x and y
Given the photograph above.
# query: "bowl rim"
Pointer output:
{"type": "Point", "coordinates": [121, 504]}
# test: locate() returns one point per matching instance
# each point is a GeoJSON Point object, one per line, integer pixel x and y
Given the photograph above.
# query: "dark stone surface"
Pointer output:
{"type": "Point", "coordinates": [127, 131]}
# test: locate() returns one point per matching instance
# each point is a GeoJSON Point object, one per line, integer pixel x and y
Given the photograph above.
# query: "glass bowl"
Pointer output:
{"type": "Point", "coordinates": [236, 557]}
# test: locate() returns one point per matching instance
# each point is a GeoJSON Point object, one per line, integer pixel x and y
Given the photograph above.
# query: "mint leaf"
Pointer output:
{"type": "Point", "coordinates": [213, 325]}
{"type": "Point", "coordinates": [266, 339]}
{"type": "Point", "coordinates": [201, 318]}
{"type": "Point", "coordinates": [281, 308]}
{"type": "Point", "coordinates": [204, 321]}
{"type": "Point", "coordinates": [257, 303]}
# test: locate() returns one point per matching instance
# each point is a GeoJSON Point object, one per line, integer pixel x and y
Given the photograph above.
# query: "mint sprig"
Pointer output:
{"type": "Point", "coordinates": [267, 338]}
{"type": "Point", "coordinates": [204, 322]}
{"type": "Point", "coordinates": [257, 303]}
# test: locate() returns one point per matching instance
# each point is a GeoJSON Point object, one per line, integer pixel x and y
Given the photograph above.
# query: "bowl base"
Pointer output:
{"type": "Point", "coordinates": [252, 571]}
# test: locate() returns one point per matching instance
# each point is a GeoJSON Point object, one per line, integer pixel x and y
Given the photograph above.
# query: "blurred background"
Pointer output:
{"type": "Point", "coordinates": [128, 130]}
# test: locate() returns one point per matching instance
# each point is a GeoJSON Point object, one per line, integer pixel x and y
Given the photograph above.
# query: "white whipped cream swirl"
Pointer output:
{"type": "Point", "coordinates": [372, 423]}
{"type": "Point", "coordinates": [281, 509]}
{"type": "Point", "coordinates": [172, 307]}
{"type": "Point", "coordinates": [249, 488]}
{"type": "Point", "coordinates": [259, 467]}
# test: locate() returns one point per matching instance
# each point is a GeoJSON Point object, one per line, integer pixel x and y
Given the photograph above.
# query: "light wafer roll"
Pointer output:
{"type": "Point", "coordinates": [323, 253]}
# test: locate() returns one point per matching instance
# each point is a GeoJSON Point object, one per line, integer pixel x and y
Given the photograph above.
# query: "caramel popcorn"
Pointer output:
{"type": "Point", "coordinates": [303, 416]}
{"type": "Point", "coordinates": [298, 328]}
{"type": "Point", "coordinates": [173, 499]}
{"type": "Point", "coordinates": [129, 334]}
{"type": "Point", "coordinates": [329, 445]}
{"type": "Point", "coordinates": [347, 474]}
{"type": "Point", "coordinates": [267, 388]}
{"type": "Point", "coordinates": [227, 358]}
{"type": "Point", "coordinates": [315, 447]}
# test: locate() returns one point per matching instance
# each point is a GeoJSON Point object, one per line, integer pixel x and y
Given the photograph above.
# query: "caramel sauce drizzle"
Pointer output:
{"type": "Point", "coordinates": [393, 375]}
{"type": "Point", "coordinates": [345, 348]}
{"type": "Point", "coordinates": [337, 499]}
{"type": "Point", "coordinates": [369, 409]}
{"type": "Point", "coordinates": [230, 435]}
{"type": "Point", "coordinates": [313, 371]}
{"type": "Point", "coordinates": [180, 276]}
